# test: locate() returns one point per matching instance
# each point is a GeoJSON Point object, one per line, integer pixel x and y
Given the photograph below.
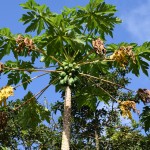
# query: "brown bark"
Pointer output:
{"type": "Point", "coordinates": [66, 120]}
{"type": "Point", "coordinates": [97, 140]}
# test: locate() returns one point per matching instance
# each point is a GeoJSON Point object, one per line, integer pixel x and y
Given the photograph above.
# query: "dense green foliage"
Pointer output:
{"type": "Point", "coordinates": [22, 132]}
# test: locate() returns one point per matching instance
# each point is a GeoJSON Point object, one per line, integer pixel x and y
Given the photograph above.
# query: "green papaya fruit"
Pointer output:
{"type": "Point", "coordinates": [62, 82]}
{"type": "Point", "coordinates": [70, 65]}
{"type": "Point", "coordinates": [66, 78]}
{"type": "Point", "coordinates": [61, 68]}
{"type": "Point", "coordinates": [66, 68]}
{"type": "Point", "coordinates": [71, 81]}
{"type": "Point", "coordinates": [65, 64]}
{"type": "Point", "coordinates": [76, 67]}
{"type": "Point", "coordinates": [73, 70]}
{"type": "Point", "coordinates": [76, 79]}
{"type": "Point", "coordinates": [63, 74]}
{"type": "Point", "coordinates": [74, 63]}
{"type": "Point", "coordinates": [70, 74]}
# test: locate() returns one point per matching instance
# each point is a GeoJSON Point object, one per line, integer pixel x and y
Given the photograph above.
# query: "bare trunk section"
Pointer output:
{"type": "Point", "coordinates": [97, 140]}
{"type": "Point", "coordinates": [66, 120]}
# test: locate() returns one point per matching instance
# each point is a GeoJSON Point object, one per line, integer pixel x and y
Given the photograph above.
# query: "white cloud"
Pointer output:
{"type": "Point", "coordinates": [137, 22]}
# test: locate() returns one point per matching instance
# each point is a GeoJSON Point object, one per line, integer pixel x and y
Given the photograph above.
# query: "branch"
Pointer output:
{"type": "Point", "coordinates": [95, 61]}
{"type": "Point", "coordinates": [30, 80]}
{"type": "Point", "coordinates": [39, 93]}
{"type": "Point", "coordinates": [31, 70]}
{"type": "Point", "coordinates": [26, 102]}
{"type": "Point", "coordinates": [107, 93]}
{"type": "Point", "coordinates": [54, 66]}
{"type": "Point", "coordinates": [90, 76]}
{"type": "Point", "coordinates": [56, 79]}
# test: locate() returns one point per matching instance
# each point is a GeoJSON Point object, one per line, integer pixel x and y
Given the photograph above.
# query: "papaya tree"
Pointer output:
{"type": "Point", "coordinates": [73, 42]}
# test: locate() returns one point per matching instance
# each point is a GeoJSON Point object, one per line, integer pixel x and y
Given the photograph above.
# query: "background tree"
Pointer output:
{"type": "Point", "coordinates": [28, 125]}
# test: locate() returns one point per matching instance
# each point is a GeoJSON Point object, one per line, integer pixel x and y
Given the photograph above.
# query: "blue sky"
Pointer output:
{"type": "Point", "coordinates": [135, 28]}
{"type": "Point", "coordinates": [135, 15]}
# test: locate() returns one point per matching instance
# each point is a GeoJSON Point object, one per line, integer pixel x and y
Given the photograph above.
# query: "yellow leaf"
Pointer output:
{"type": "Point", "coordinates": [5, 92]}
{"type": "Point", "coordinates": [125, 108]}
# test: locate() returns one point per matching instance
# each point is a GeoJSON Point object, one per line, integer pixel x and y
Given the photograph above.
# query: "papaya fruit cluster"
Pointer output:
{"type": "Point", "coordinates": [69, 73]}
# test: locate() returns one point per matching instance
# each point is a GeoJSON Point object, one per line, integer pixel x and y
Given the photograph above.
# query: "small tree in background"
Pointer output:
{"type": "Point", "coordinates": [73, 42]}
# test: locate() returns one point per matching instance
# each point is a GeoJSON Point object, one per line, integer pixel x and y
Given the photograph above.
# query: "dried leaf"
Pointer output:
{"type": "Point", "coordinates": [99, 46]}
{"type": "Point", "coordinates": [144, 95]}
{"type": "Point", "coordinates": [24, 43]}
{"type": "Point", "coordinates": [1, 67]}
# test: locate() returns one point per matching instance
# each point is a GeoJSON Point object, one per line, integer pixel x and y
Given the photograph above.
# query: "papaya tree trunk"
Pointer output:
{"type": "Point", "coordinates": [65, 145]}
{"type": "Point", "coordinates": [97, 140]}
